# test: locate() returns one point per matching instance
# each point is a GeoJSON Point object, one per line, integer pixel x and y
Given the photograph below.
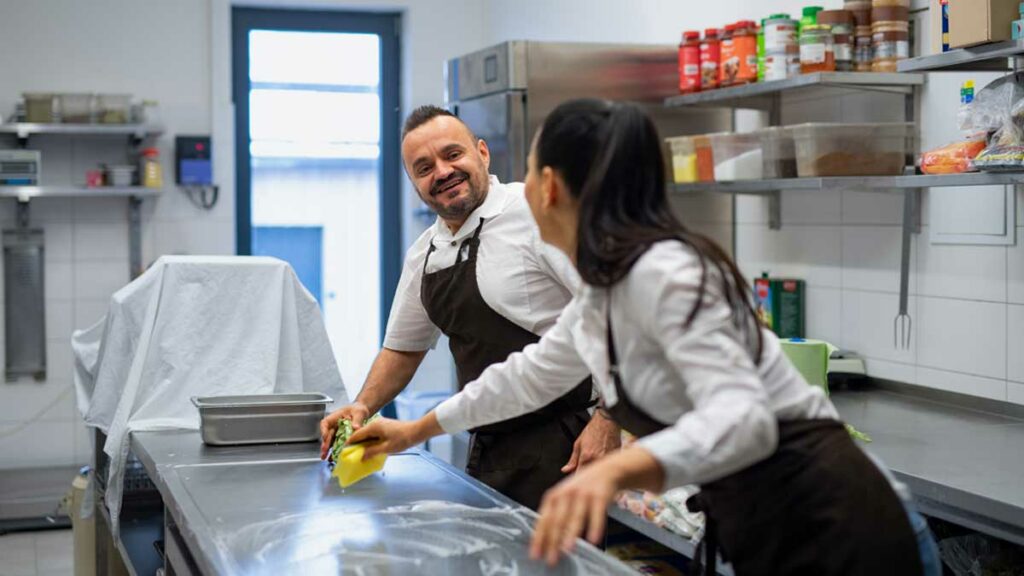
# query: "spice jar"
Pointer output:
{"type": "Point", "coordinates": [841, 22]}
{"type": "Point", "coordinates": [861, 10]}
{"type": "Point", "coordinates": [710, 59]}
{"type": "Point", "coordinates": [817, 52]}
{"type": "Point", "coordinates": [689, 62]}
{"type": "Point", "coordinates": [745, 50]}
{"type": "Point", "coordinates": [782, 51]}
{"type": "Point", "coordinates": [726, 73]}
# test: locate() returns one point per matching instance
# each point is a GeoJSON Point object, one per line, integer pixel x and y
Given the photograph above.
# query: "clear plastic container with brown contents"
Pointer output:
{"type": "Point", "coordinates": [832, 149]}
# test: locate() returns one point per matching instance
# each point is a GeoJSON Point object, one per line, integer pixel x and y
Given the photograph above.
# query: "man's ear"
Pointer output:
{"type": "Point", "coordinates": [485, 153]}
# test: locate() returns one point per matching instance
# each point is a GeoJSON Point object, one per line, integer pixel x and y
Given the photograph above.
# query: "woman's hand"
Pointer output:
{"type": "Point", "coordinates": [387, 436]}
{"type": "Point", "coordinates": [580, 502]}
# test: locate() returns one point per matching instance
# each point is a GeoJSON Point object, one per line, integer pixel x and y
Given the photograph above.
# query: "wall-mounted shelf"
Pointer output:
{"type": "Point", "coordinates": [763, 95]}
{"type": "Point", "coordinates": [26, 193]}
{"type": "Point", "coordinates": [996, 57]}
{"type": "Point", "coordinates": [26, 129]}
{"type": "Point", "coordinates": [878, 183]}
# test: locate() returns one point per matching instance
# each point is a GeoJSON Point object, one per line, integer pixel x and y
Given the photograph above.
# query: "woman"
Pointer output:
{"type": "Point", "coordinates": [665, 325]}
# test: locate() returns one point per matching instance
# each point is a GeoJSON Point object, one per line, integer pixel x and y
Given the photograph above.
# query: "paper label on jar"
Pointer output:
{"type": "Point", "coordinates": [902, 49]}
{"type": "Point", "coordinates": [899, 50]}
{"type": "Point", "coordinates": [813, 53]}
{"type": "Point", "coordinates": [778, 36]}
{"type": "Point", "coordinates": [776, 68]}
{"type": "Point", "coordinates": [844, 52]}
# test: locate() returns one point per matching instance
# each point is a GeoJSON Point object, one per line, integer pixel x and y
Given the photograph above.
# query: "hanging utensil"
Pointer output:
{"type": "Point", "coordinates": [903, 324]}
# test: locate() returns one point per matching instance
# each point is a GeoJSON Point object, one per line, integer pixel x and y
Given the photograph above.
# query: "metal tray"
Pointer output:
{"type": "Point", "coordinates": [261, 418]}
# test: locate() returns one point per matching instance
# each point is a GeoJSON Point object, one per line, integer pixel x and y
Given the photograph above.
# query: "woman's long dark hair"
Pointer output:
{"type": "Point", "coordinates": [610, 156]}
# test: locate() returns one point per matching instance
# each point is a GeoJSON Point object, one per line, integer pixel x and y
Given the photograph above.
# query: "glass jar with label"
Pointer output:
{"type": "Point", "coordinates": [817, 51]}
{"type": "Point", "coordinates": [842, 41]}
{"type": "Point", "coordinates": [689, 62]}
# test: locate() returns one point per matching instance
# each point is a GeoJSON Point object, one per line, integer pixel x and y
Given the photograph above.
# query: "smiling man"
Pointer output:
{"type": "Point", "coordinates": [482, 276]}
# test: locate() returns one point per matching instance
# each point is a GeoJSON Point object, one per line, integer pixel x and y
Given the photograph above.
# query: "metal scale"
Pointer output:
{"type": "Point", "coordinates": [24, 310]}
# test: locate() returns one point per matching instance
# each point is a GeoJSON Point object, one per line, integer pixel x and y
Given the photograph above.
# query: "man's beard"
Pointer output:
{"type": "Point", "coordinates": [461, 208]}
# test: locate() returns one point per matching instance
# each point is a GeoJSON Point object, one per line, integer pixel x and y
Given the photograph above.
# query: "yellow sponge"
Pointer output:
{"type": "Point", "coordinates": [350, 467]}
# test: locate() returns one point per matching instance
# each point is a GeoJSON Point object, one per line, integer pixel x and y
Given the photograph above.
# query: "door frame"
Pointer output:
{"type": "Point", "coordinates": [387, 26]}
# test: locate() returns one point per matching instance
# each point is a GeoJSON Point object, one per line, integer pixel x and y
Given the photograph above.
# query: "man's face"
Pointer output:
{"type": "Point", "coordinates": [448, 167]}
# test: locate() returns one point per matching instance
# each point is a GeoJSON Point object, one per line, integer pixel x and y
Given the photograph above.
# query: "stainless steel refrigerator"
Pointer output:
{"type": "Point", "coordinates": [504, 92]}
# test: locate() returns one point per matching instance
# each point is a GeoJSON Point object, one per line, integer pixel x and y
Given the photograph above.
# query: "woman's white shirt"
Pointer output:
{"type": "Point", "coordinates": [701, 381]}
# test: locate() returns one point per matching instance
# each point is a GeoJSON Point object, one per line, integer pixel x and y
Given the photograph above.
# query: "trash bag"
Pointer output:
{"type": "Point", "coordinates": [979, 555]}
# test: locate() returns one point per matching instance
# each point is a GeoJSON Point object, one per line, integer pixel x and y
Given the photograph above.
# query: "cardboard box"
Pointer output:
{"type": "Point", "coordinates": [973, 22]}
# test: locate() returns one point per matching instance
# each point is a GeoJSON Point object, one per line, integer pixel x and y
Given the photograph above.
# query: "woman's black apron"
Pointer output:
{"type": "Point", "coordinates": [522, 457]}
{"type": "Point", "coordinates": [816, 507]}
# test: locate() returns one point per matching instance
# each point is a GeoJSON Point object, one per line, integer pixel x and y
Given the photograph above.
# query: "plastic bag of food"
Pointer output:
{"type": "Point", "coordinates": [953, 158]}
{"type": "Point", "coordinates": [1000, 158]}
{"type": "Point", "coordinates": [997, 108]}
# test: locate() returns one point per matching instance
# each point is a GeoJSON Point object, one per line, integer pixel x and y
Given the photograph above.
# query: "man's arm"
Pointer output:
{"type": "Point", "coordinates": [390, 374]}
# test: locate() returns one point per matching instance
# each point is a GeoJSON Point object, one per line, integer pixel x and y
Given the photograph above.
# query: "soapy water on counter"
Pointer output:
{"type": "Point", "coordinates": [427, 537]}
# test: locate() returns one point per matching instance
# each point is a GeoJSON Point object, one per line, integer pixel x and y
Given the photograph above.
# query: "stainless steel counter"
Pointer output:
{"type": "Point", "coordinates": [963, 460]}
{"type": "Point", "coordinates": [275, 509]}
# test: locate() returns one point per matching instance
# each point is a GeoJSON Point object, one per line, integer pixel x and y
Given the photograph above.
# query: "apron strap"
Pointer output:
{"type": "Point", "coordinates": [430, 251]}
{"type": "Point", "coordinates": [474, 240]}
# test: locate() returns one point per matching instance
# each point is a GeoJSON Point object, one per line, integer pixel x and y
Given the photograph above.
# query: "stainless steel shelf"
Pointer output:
{"type": "Point", "coordinates": [854, 183]}
{"type": "Point", "coordinates": [26, 193]}
{"type": "Point", "coordinates": [26, 129]}
{"type": "Point", "coordinates": [761, 94]}
{"type": "Point", "coordinates": [660, 535]}
{"type": "Point", "coordinates": [988, 57]}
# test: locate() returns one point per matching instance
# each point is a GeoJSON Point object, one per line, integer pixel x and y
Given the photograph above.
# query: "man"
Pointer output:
{"type": "Point", "coordinates": [483, 277]}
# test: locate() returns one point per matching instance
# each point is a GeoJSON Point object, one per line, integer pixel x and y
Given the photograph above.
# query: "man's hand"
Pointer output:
{"type": "Point", "coordinates": [600, 437]}
{"type": "Point", "coordinates": [357, 412]}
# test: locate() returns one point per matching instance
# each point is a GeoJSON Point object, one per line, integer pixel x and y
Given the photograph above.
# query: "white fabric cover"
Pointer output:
{"type": "Point", "coordinates": [197, 326]}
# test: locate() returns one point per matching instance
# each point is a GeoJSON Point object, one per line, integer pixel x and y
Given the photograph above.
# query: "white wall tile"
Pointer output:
{"type": "Point", "coordinates": [112, 210]}
{"type": "Point", "coordinates": [1015, 270]}
{"type": "Point", "coordinates": [58, 280]}
{"type": "Point", "coordinates": [872, 208]}
{"type": "Point", "coordinates": [868, 325]}
{"type": "Point", "coordinates": [1015, 392]}
{"type": "Point", "coordinates": [702, 208]}
{"type": "Point", "coordinates": [37, 444]}
{"type": "Point", "coordinates": [895, 371]}
{"type": "Point", "coordinates": [962, 336]}
{"type": "Point", "coordinates": [954, 271]}
{"type": "Point", "coordinates": [83, 437]}
{"type": "Point", "coordinates": [55, 552]}
{"type": "Point", "coordinates": [43, 210]}
{"type": "Point", "coordinates": [59, 360]}
{"type": "Point", "coordinates": [96, 280]}
{"type": "Point", "coordinates": [59, 318]}
{"type": "Point", "coordinates": [811, 207]}
{"type": "Point", "coordinates": [811, 253]}
{"type": "Point", "coordinates": [871, 258]}
{"type": "Point", "coordinates": [824, 314]}
{"type": "Point", "coordinates": [57, 238]}
{"type": "Point", "coordinates": [101, 241]}
{"type": "Point", "coordinates": [204, 237]}
{"type": "Point", "coordinates": [751, 210]}
{"type": "Point", "coordinates": [962, 383]}
{"type": "Point", "coordinates": [51, 400]}
{"type": "Point", "coordinates": [1015, 342]}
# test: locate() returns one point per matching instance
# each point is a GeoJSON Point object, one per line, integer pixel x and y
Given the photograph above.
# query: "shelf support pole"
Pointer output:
{"type": "Point", "coordinates": [21, 218]}
{"type": "Point", "coordinates": [775, 210]}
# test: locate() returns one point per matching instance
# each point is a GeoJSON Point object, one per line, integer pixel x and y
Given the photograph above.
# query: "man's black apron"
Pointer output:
{"type": "Point", "coordinates": [816, 507]}
{"type": "Point", "coordinates": [522, 457]}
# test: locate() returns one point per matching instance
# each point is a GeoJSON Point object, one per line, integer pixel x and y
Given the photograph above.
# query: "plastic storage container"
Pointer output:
{"type": "Point", "coordinates": [115, 108]}
{"type": "Point", "coordinates": [41, 108]}
{"type": "Point", "coordinates": [684, 159]}
{"type": "Point", "coordinates": [737, 156]}
{"type": "Point", "coordinates": [825, 149]}
{"type": "Point", "coordinates": [705, 158]}
{"type": "Point", "coordinates": [778, 153]}
{"type": "Point", "coordinates": [78, 108]}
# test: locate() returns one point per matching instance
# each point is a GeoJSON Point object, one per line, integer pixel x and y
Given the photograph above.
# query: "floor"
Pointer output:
{"type": "Point", "coordinates": [40, 553]}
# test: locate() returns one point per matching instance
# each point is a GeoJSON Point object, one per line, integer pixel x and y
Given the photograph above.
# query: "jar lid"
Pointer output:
{"type": "Point", "coordinates": [691, 35]}
{"type": "Point", "coordinates": [835, 17]}
{"type": "Point", "coordinates": [817, 28]}
{"type": "Point", "coordinates": [811, 10]}
{"type": "Point", "coordinates": [710, 32]}
{"type": "Point", "coordinates": [779, 16]}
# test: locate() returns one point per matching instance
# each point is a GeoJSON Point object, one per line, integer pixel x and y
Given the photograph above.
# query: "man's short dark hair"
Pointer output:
{"type": "Point", "coordinates": [426, 113]}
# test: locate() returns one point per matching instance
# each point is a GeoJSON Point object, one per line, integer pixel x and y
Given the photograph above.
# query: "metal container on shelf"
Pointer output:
{"type": "Point", "coordinates": [684, 159]}
{"type": "Point", "coordinates": [833, 149]}
{"type": "Point", "coordinates": [261, 418]}
{"type": "Point", "coordinates": [41, 107]}
{"type": "Point", "coordinates": [114, 108]}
